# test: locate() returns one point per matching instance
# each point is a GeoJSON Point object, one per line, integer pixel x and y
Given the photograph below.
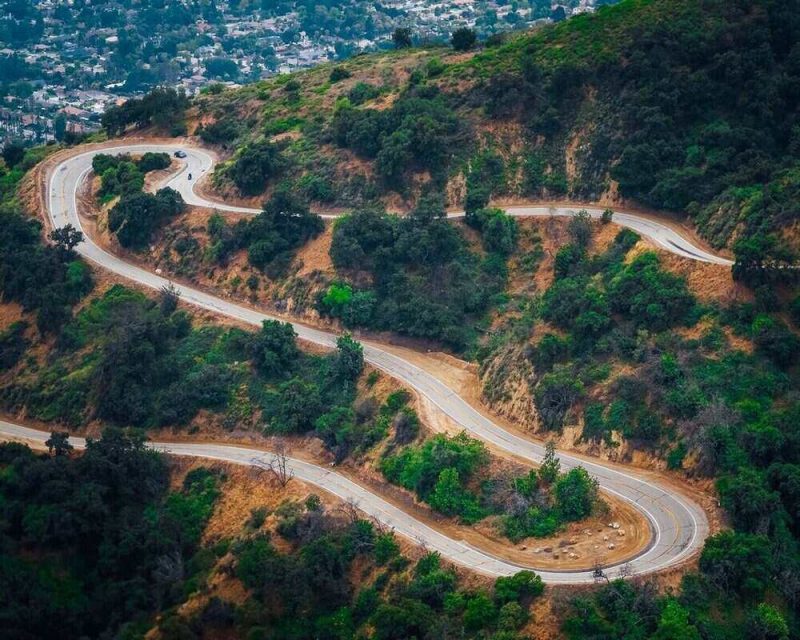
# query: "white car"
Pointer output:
{"type": "Point", "coordinates": [180, 153]}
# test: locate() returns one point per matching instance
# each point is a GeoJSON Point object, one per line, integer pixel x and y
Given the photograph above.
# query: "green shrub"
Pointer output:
{"type": "Point", "coordinates": [137, 215]}
{"type": "Point", "coordinates": [255, 165]}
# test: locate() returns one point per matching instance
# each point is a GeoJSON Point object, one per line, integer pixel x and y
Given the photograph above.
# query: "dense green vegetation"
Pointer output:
{"type": "Point", "coordinates": [97, 545]}
{"type": "Point", "coordinates": [612, 359]}
{"type": "Point", "coordinates": [45, 279]}
{"type": "Point", "coordinates": [164, 108]}
{"type": "Point", "coordinates": [450, 474]}
{"type": "Point", "coordinates": [438, 471]}
{"type": "Point", "coordinates": [694, 108]}
{"type": "Point", "coordinates": [343, 578]}
{"type": "Point", "coordinates": [423, 280]}
{"type": "Point", "coordinates": [254, 165]}
{"type": "Point", "coordinates": [94, 545]}
{"type": "Point", "coordinates": [132, 361]}
{"type": "Point", "coordinates": [138, 214]}
{"type": "Point", "coordinates": [418, 132]}
{"type": "Point", "coordinates": [122, 175]}
{"type": "Point", "coordinates": [689, 105]}
{"type": "Point", "coordinates": [270, 238]}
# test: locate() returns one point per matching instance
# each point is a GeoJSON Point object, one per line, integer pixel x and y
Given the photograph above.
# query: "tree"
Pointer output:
{"type": "Point", "coordinates": [554, 395]}
{"type": "Point", "coordinates": [163, 107]}
{"type": "Point", "coordinates": [650, 296]}
{"type": "Point", "coordinates": [674, 624]}
{"type": "Point", "coordinates": [338, 74]}
{"type": "Point", "coordinates": [275, 350]}
{"type": "Point", "coordinates": [66, 238]}
{"type": "Point", "coordinates": [448, 494]}
{"type": "Point", "coordinates": [479, 612]}
{"type": "Point", "coordinates": [279, 465]}
{"type": "Point", "coordinates": [58, 443]}
{"type": "Point", "coordinates": [575, 494]}
{"type": "Point", "coordinates": [134, 218]}
{"type": "Point", "coordinates": [580, 229]}
{"type": "Point", "coordinates": [271, 237]}
{"type": "Point", "coordinates": [59, 127]}
{"type": "Point", "coordinates": [607, 216]}
{"type": "Point", "coordinates": [498, 230]}
{"type": "Point", "coordinates": [294, 407]}
{"type": "Point", "coordinates": [520, 586]}
{"type": "Point", "coordinates": [463, 39]}
{"type": "Point", "coordinates": [478, 196]}
{"type": "Point", "coordinates": [13, 154]}
{"type": "Point", "coordinates": [550, 468]}
{"type": "Point", "coordinates": [223, 68]}
{"type": "Point", "coordinates": [151, 161]}
{"type": "Point", "coordinates": [738, 562]}
{"type": "Point", "coordinates": [775, 340]}
{"type": "Point", "coordinates": [750, 502]}
{"type": "Point", "coordinates": [401, 38]}
{"type": "Point", "coordinates": [127, 366]}
{"type": "Point", "coordinates": [767, 623]}
{"type": "Point", "coordinates": [255, 166]}
{"type": "Point", "coordinates": [169, 296]}
{"type": "Point", "coordinates": [349, 359]}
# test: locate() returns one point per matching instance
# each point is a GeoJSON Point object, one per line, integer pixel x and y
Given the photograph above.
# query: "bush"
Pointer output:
{"type": "Point", "coordinates": [738, 562]}
{"type": "Point", "coordinates": [517, 588]}
{"type": "Point", "coordinates": [363, 92]}
{"type": "Point", "coordinates": [349, 360]}
{"type": "Point", "coordinates": [255, 165]}
{"type": "Point", "coordinates": [223, 131]}
{"type": "Point", "coordinates": [575, 494]}
{"type": "Point", "coordinates": [272, 236]}
{"type": "Point", "coordinates": [136, 216]}
{"type": "Point", "coordinates": [154, 162]}
{"type": "Point", "coordinates": [649, 296]}
{"type": "Point", "coordinates": [555, 394]}
{"type": "Point", "coordinates": [498, 230]}
{"type": "Point", "coordinates": [338, 74]}
{"type": "Point", "coordinates": [12, 344]}
{"type": "Point", "coordinates": [580, 229]}
{"type": "Point", "coordinates": [775, 340]}
{"type": "Point", "coordinates": [293, 408]}
{"type": "Point", "coordinates": [275, 351]}
{"type": "Point", "coordinates": [438, 471]}
{"type": "Point", "coordinates": [463, 39]}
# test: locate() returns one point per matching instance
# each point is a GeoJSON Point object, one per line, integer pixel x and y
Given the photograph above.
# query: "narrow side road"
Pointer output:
{"type": "Point", "coordinates": [679, 526]}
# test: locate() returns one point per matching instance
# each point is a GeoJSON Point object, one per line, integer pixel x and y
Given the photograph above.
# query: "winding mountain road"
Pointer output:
{"type": "Point", "coordinates": [198, 163]}
{"type": "Point", "coordinates": [678, 525]}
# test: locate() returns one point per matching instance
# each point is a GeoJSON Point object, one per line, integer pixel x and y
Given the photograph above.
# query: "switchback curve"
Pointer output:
{"type": "Point", "coordinates": [679, 526]}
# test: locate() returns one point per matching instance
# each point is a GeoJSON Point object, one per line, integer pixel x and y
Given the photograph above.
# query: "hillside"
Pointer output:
{"type": "Point", "coordinates": [688, 106]}
{"type": "Point", "coordinates": [575, 330]}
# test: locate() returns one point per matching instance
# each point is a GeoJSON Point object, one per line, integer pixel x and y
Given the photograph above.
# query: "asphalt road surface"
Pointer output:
{"type": "Point", "coordinates": [678, 525]}
{"type": "Point", "coordinates": [198, 163]}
